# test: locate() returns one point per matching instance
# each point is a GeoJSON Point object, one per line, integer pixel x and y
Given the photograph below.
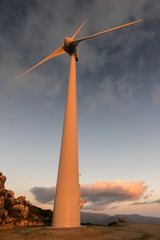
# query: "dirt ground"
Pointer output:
{"type": "Point", "coordinates": [127, 231]}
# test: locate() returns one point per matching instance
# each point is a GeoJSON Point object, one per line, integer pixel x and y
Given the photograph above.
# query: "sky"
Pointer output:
{"type": "Point", "coordinates": [118, 99]}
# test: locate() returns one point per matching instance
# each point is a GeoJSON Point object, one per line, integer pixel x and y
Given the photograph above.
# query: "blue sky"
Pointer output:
{"type": "Point", "coordinates": [118, 96]}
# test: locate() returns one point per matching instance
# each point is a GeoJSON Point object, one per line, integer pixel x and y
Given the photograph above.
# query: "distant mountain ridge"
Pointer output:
{"type": "Point", "coordinates": [104, 219]}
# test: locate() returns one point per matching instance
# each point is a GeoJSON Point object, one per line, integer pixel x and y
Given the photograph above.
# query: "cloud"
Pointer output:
{"type": "Point", "coordinates": [104, 95]}
{"type": "Point", "coordinates": [32, 30]}
{"type": "Point", "coordinates": [43, 195]}
{"type": "Point", "coordinates": [100, 194]}
{"type": "Point", "coordinates": [111, 93]}
{"type": "Point", "coordinates": [157, 201]}
{"type": "Point", "coordinates": [146, 203]}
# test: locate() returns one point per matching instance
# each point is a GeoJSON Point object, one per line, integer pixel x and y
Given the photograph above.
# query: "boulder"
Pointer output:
{"type": "Point", "coordinates": [9, 201]}
{"type": "Point", "coordinates": [20, 200]}
{"type": "Point", "coordinates": [10, 193]}
{"type": "Point", "coordinates": [2, 181]}
{"type": "Point", "coordinates": [20, 211]}
{"type": "Point", "coordinates": [22, 223]}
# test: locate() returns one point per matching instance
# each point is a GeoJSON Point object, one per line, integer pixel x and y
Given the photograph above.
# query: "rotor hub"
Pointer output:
{"type": "Point", "coordinates": [70, 48]}
{"type": "Point", "coordinates": [68, 45]}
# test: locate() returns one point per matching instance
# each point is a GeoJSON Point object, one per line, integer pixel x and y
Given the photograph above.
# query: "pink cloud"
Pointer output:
{"type": "Point", "coordinates": [102, 193]}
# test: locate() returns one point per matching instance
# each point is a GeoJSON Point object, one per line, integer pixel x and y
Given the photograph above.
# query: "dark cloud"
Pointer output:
{"type": "Point", "coordinates": [30, 30]}
{"type": "Point", "coordinates": [100, 194]}
{"type": "Point", "coordinates": [43, 195]}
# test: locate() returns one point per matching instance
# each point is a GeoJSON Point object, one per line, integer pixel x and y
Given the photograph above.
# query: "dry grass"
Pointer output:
{"type": "Point", "coordinates": [129, 231]}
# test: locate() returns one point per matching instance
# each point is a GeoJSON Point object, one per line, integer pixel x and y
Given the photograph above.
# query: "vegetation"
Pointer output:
{"type": "Point", "coordinates": [127, 231]}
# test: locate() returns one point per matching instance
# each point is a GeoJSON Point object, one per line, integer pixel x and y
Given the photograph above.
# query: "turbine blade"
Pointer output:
{"type": "Point", "coordinates": [73, 37]}
{"type": "Point", "coordinates": [59, 51]}
{"type": "Point", "coordinates": [76, 42]}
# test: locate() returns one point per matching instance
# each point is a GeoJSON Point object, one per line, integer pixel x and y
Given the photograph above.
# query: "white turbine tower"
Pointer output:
{"type": "Point", "coordinates": [67, 199]}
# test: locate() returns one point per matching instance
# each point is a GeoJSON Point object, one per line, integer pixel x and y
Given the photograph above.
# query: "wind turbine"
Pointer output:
{"type": "Point", "coordinates": [67, 198]}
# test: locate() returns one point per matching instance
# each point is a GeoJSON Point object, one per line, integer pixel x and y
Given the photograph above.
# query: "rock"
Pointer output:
{"type": "Point", "coordinates": [4, 217]}
{"type": "Point", "coordinates": [22, 223]}
{"type": "Point", "coordinates": [18, 212]}
{"type": "Point", "coordinates": [1, 205]}
{"type": "Point", "coordinates": [20, 200]}
{"type": "Point", "coordinates": [9, 201]}
{"type": "Point", "coordinates": [29, 203]}
{"type": "Point", "coordinates": [10, 193]}
{"type": "Point", "coordinates": [18, 208]}
{"type": "Point", "coordinates": [2, 182]}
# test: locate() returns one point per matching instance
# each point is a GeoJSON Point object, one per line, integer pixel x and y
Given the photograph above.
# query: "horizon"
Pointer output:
{"type": "Point", "coordinates": [118, 97]}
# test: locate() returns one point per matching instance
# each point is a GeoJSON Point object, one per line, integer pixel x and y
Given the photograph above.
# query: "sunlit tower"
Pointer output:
{"type": "Point", "coordinates": [67, 198]}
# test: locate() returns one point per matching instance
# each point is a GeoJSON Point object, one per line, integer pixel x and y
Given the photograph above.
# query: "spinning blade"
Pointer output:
{"type": "Point", "coordinates": [77, 41]}
{"type": "Point", "coordinates": [59, 51]}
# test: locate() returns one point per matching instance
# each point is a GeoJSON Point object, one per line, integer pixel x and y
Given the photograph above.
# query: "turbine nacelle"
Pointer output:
{"type": "Point", "coordinates": [67, 43]}
{"type": "Point", "coordinates": [70, 48]}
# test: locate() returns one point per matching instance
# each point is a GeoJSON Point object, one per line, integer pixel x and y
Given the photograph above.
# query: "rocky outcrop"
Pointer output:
{"type": "Point", "coordinates": [18, 212]}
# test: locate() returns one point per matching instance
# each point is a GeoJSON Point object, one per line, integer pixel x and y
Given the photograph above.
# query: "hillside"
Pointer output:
{"type": "Point", "coordinates": [104, 219]}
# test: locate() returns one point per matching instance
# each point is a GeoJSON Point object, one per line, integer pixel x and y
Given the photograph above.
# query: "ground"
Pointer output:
{"type": "Point", "coordinates": [127, 231]}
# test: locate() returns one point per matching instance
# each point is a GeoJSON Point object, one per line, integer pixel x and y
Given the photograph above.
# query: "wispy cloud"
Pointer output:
{"type": "Point", "coordinates": [30, 31]}
{"type": "Point", "coordinates": [113, 94]}
{"type": "Point", "coordinates": [146, 203]}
